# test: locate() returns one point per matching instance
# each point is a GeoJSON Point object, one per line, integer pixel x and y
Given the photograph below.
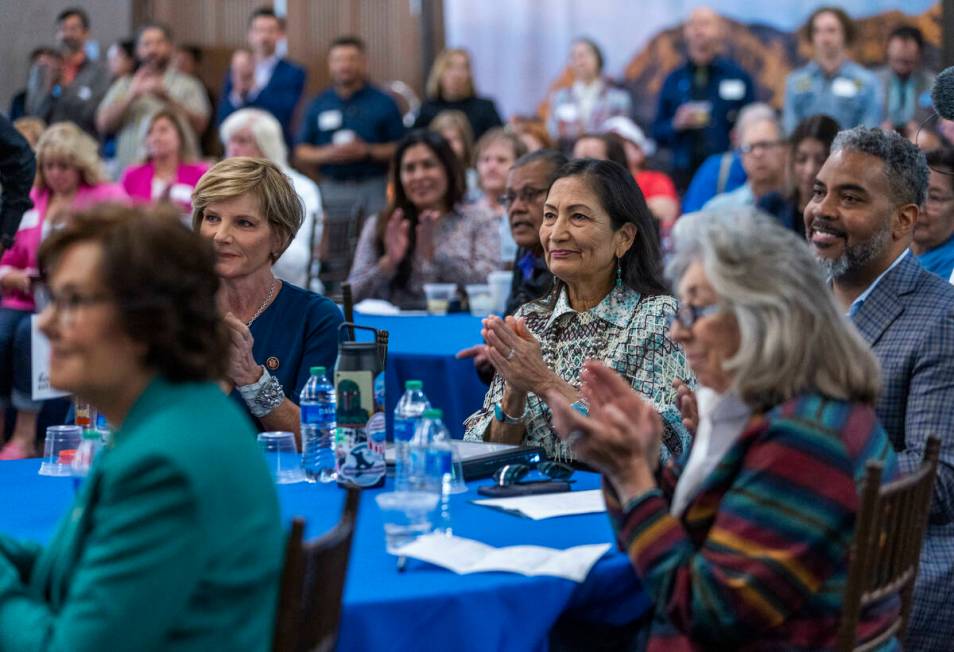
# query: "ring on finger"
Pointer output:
{"type": "Point", "coordinates": [510, 354]}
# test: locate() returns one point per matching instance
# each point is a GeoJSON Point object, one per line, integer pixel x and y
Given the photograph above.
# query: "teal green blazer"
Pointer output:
{"type": "Point", "coordinates": [174, 542]}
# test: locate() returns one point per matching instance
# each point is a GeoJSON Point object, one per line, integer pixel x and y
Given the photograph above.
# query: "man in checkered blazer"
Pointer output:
{"type": "Point", "coordinates": [859, 222]}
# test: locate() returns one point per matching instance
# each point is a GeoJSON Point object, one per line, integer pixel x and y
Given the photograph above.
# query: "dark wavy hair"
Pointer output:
{"type": "Point", "coordinates": [162, 277]}
{"type": "Point", "coordinates": [623, 201]}
{"type": "Point", "coordinates": [456, 187]}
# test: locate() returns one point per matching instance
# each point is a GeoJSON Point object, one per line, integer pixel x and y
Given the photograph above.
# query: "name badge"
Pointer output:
{"type": "Point", "coordinates": [329, 120]}
{"type": "Point", "coordinates": [844, 87]}
{"type": "Point", "coordinates": [731, 89]}
{"type": "Point", "coordinates": [567, 113]}
{"type": "Point", "coordinates": [30, 220]}
{"type": "Point", "coordinates": [180, 192]}
{"type": "Point", "coordinates": [84, 93]}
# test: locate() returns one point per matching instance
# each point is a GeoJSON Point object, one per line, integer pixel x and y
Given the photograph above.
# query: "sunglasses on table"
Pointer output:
{"type": "Point", "coordinates": [513, 474]}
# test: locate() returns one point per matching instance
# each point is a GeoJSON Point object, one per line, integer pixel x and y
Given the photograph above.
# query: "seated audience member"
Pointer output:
{"type": "Point", "coordinates": [30, 128]}
{"type": "Point", "coordinates": [590, 100]}
{"type": "Point", "coordinates": [170, 170]}
{"type": "Point", "coordinates": [350, 131]}
{"type": "Point", "coordinates": [532, 131]}
{"type": "Point", "coordinates": [256, 133]}
{"type": "Point", "coordinates": [932, 240]}
{"type": "Point", "coordinates": [275, 84]}
{"type": "Point", "coordinates": [156, 84]}
{"type": "Point", "coordinates": [455, 129]}
{"type": "Point", "coordinates": [450, 87]}
{"type": "Point", "coordinates": [700, 100]}
{"type": "Point", "coordinates": [808, 146]}
{"type": "Point", "coordinates": [723, 172]}
{"type": "Point", "coordinates": [905, 83]}
{"type": "Point", "coordinates": [427, 235]}
{"type": "Point", "coordinates": [864, 207]}
{"type": "Point", "coordinates": [528, 181]}
{"type": "Point", "coordinates": [175, 542]}
{"type": "Point", "coordinates": [602, 147]}
{"type": "Point", "coordinates": [657, 187]}
{"type": "Point", "coordinates": [608, 303]}
{"type": "Point", "coordinates": [495, 152]}
{"type": "Point", "coordinates": [278, 331]}
{"type": "Point", "coordinates": [786, 397]}
{"type": "Point", "coordinates": [763, 156]}
{"type": "Point", "coordinates": [831, 83]}
{"type": "Point", "coordinates": [71, 90]}
{"type": "Point", "coordinates": [69, 177]}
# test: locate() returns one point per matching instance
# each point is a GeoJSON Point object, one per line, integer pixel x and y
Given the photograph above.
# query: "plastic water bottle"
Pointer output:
{"type": "Point", "coordinates": [439, 462]}
{"type": "Point", "coordinates": [407, 416]}
{"type": "Point", "coordinates": [317, 405]}
{"type": "Point", "coordinates": [86, 452]}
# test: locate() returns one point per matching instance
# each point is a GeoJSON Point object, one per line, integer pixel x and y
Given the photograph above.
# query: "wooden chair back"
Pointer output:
{"type": "Point", "coordinates": [887, 546]}
{"type": "Point", "coordinates": [312, 584]}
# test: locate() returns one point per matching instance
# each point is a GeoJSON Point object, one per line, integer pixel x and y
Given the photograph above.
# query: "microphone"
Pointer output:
{"type": "Point", "coordinates": [942, 95]}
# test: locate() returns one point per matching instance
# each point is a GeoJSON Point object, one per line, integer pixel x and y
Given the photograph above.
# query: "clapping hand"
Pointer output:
{"type": "Point", "coordinates": [688, 407]}
{"type": "Point", "coordinates": [243, 370]}
{"type": "Point", "coordinates": [620, 437]}
{"type": "Point", "coordinates": [515, 353]}
{"type": "Point", "coordinates": [396, 240]}
{"type": "Point", "coordinates": [426, 226]}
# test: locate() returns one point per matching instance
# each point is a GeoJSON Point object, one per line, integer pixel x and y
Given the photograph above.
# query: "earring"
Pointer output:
{"type": "Point", "coordinates": [619, 273]}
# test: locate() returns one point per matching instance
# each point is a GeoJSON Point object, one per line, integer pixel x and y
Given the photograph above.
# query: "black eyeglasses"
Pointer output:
{"type": "Point", "coordinates": [66, 304]}
{"type": "Point", "coordinates": [511, 474]}
{"type": "Point", "coordinates": [526, 194]}
{"type": "Point", "coordinates": [687, 315]}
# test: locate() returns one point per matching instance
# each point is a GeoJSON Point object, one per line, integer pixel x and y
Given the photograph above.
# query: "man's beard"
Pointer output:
{"type": "Point", "coordinates": [857, 255]}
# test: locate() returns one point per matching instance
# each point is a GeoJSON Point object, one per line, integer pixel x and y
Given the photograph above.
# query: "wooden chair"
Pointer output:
{"type": "Point", "coordinates": [343, 224]}
{"type": "Point", "coordinates": [309, 604]}
{"type": "Point", "coordinates": [887, 546]}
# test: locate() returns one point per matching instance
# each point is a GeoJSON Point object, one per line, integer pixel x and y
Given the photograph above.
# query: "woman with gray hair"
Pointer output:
{"type": "Point", "coordinates": [745, 542]}
{"type": "Point", "coordinates": [256, 133]}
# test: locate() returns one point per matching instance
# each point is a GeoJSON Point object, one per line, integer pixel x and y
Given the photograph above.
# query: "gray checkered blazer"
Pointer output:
{"type": "Point", "coordinates": [908, 320]}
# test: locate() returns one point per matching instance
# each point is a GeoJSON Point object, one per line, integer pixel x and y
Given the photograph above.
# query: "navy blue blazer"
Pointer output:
{"type": "Point", "coordinates": [908, 320]}
{"type": "Point", "coordinates": [279, 97]}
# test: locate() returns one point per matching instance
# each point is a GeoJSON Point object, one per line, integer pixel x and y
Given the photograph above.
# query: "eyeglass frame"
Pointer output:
{"type": "Point", "coordinates": [527, 194]}
{"type": "Point", "coordinates": [67, 306]}
{"type": "Point", "coordinates": [687, 315]}
{"type": "Point", "coordinates": [513, 474]}
{"type": "Point", "coordinates": [763, 145]}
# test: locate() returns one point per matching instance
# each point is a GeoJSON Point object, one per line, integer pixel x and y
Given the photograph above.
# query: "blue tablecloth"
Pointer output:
{"type": "Point", "coordinates": [422, 348]}
{"type": "Point", "coordinates": [424, 608]}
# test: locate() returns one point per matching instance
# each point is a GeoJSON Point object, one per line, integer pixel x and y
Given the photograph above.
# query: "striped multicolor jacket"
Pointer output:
{"type": "Point", "coordinates": [758, 559]}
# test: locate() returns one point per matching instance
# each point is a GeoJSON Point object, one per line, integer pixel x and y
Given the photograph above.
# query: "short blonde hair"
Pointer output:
{"type": "Point", "coordinates": [793, 337]}
{"type": "Point", "coordinates": [234, 177]}
{"type": "Point", "coordinates": [500, 134]}
{"type": "Point", "coordinates": [265, 129]}
{"type": "Point", "coordinates": [433, 86]}
{"type": "Point", "coordinates": [188, 150]}
{"type": "Point", "coordinates": [67, 142]}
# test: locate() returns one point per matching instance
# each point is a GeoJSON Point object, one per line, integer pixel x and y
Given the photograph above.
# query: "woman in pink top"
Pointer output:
{"type": "Point", "coordinates": [69, 177]}
{"type": "Point", "coordinates": [169, 173]}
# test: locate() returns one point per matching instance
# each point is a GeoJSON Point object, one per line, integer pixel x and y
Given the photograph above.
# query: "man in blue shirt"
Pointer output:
{"type": "Point", "coordinates": [276, 84]}
{"type": "Point", "coordinates": [831, 83]}
{"type": "Point", "coordinates": [865, 204]}
{"type": "Point", "coordinates": [350, 131]}
{"type": "Point", "coordinates": [700, 100]}
{"type": "Point", "coordinates": [933, 238]}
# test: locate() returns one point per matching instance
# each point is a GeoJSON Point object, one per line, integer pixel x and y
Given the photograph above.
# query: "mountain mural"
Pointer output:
{"type": "Point", "coordinates": [768, 54]}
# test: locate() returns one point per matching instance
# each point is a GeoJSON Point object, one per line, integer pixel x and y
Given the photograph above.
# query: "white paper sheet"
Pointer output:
{"type": "Point", "coordinates": [542, 506]}
{"type": "Point", "coordinates": [464, 556]}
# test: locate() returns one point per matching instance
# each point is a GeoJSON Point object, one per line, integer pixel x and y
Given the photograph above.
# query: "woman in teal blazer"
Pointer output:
{"type": "Point", "coordinates": [174, 541]}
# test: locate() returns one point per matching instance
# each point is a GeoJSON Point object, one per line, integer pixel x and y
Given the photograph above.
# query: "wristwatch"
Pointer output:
{"type": "Point", "coordinates": [503, 417]}
{"type": "Point", "coordinates": [264, 395]}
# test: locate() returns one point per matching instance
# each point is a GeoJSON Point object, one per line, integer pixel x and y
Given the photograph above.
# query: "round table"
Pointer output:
{"type": "Point", "coordinates": [425, 607]}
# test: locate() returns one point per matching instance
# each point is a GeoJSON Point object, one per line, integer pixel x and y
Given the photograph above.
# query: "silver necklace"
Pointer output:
{"type": "Point", "coordinates": [261, 308]}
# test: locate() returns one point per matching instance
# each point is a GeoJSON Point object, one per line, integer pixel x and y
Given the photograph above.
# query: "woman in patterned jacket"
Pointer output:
{"type": "Point", "coordinates": [744, 544]}
{"type": "Point", "coordinates": [609, 303]}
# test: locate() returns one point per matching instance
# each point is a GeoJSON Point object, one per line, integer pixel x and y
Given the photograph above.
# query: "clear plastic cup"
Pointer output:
{"type": "Point", "coordinates": [281, 454]}
{"type": "Point", "coordinates": [406, 516]}
{"type": "Point", "coordinates": [481, 299]}
{"type": "Point", "coordinates": [499, 283]}
{"type": "Point", "coordinates": [58, 449]}
{"type": "Point", "coordinates": [439, 296]}
{"type": "Point", "coordinates": [458, 484]}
